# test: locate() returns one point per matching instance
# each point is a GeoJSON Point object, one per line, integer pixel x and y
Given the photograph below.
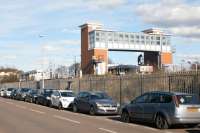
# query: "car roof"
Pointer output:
{"type": "Point", "coordinates": [169, 93]}
{"type": "Point", "coordinates": [64, 90]}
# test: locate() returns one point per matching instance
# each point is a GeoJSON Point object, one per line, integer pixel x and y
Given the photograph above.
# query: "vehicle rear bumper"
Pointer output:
{"type": "Point", "coordinates": [186, 120]}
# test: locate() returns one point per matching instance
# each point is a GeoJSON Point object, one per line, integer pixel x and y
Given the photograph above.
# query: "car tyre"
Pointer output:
{"type": "Point", "coordinates": [75, 108]}
{"type": "Point", "coordinates": [36, 101]}
{"type": "Point", "coordinates": [125, 117]}
{"type": "Point", "coordinates": [161, 122]}
{"type": "Point", "coordinates": [60, 107]}
{"type": "Point", "coordinates": [92, 111]}
{"type": "Point", "coordinates": [31, 100]}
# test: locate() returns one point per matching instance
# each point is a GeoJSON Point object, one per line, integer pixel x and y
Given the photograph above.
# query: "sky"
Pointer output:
{"type": "Point", "coordinates": [35, 32]}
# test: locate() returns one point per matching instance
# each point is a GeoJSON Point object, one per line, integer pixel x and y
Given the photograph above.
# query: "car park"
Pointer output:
{"type": "Point", "coordinates": [44, 97]}
{"type": "Point", "coordinates": [21, 93]}
{"type": "Point", "coordinates": [31, 95]}
{"type": "Point", "coordinates": [163, 109]}
{"type": "Point", "coordinates": [95, 103]}
{"type": "Point", "coordinates": [62, 99]}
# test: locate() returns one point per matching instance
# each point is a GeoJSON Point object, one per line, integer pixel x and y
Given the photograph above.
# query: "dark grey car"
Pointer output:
{"type": "Point", "coordinates": [95, 103]}
{"type": "Point", "coordinates": [164, 109]}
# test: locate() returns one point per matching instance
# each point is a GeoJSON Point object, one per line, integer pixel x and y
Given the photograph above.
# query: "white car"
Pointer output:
{"type": "Point", "coordinates": [8, 92]}
{"type": "Point", "coordinates": [62, 99]}
{"type": "Point", "coordinates": [2, 92]}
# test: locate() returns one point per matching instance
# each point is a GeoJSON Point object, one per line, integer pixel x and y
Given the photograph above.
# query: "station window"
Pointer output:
{"type": "Point", "coordinates": [157, 38]}
{"type": "Point", "coordinates": [158, 42]}
{"type": "Point", "coordinates": [164, 43]}
{"type": "Point", "coordinates": [132, 36]}
{"type": "Point", "coordinates": [97, 33]}
{"type": "Point", "coordinates": [97, 39]}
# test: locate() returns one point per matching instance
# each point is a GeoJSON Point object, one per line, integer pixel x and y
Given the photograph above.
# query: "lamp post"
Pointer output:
{"type": "Point", "coordinates": [42, 36]}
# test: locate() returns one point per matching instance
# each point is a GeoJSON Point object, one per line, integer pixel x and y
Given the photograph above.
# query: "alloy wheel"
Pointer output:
{"type": "Point", "coordinates": [161, 122]}
{"type": "Point", "coordinates": [125, 117]}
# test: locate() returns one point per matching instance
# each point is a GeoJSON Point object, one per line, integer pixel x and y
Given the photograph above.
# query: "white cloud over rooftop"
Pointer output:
{"type": "Point", "coordinates": [178, 16]}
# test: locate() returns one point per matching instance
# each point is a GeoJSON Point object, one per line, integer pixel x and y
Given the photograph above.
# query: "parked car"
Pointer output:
{"type": "Point", "coordinates": [8, 92]}
{"type": "Point", "coordinates": [62, 99]}
{"type": "Point", "coordinates": [13, 93]}
{"type": "Point", "coordinates": [31, 95]}
{"type": "Point", "coordinates": [95, 103]}
{"type": "Point", "coordinates": [44, 97]}
{"type": "Point", "coordinates": [21, 93]}
{"type": "Point", "coordinates": [164, 109]}
{"type": "Point", "coordinates": [2, 92]}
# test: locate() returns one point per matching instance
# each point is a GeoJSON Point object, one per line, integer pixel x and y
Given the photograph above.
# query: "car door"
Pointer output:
{"type": "Point", "coordinates": [53, 98]}
{"type": "Point", "coordinates": [150, 106]}
{"type": "Point", "coordinates": [83, 101]}
{"type": "Point", "coordinates": [57, 98]}
{"type": "Point", "coordinates": [136, 109]}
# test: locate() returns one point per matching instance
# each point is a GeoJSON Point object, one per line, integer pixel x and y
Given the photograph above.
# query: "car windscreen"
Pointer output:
{"type": "Point", "coordinates": [67, 94]}
{"type": "Point", "coordinates": [34, 92]}
{"type": "Point", "coordinates": [99, 96]}
{"type": "Point", "coordinates": [10, 89]}
{"type": "Point", "coordinates": [48, 92]}
{"type": "Point", "coordinates": [188, 99]}
{"type": "Point", "coordinates": [25, 90]}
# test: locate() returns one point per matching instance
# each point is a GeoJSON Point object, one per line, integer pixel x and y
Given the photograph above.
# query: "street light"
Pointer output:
{"type": "Point", "coordinates": [42, 36]}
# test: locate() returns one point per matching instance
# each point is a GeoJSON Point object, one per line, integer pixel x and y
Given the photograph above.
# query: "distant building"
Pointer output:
{"type": "Point", "coordinates": [35, 75]}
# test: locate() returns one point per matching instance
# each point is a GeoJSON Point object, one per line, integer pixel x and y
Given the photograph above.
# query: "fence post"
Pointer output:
{"type": "Point", "coordinates": [141, 84]}
{"type": "Point", "coordinates": [90, 83]}
{"type": "Point", "coordinates": [79, 84]}
{"type": "Point", "coordinates": [169, 81]}
{"type": "Point", "coordinates": [120, 91]}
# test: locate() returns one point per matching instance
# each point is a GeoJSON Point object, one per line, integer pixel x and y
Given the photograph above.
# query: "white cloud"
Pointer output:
{"type": "Point", "coordinates": [8, 57]}
{"type": "Point", "coordinates": [178, 16]}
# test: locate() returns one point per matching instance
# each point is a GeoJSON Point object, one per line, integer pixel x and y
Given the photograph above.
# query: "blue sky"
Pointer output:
{"type": "Point", "coordinates": [23, 21]}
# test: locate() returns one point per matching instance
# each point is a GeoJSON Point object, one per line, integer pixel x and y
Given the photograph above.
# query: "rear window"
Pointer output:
{"type": "Point", "coordinates": [188, 99]}
{"type": "Point", "coordinates": [25, 90]}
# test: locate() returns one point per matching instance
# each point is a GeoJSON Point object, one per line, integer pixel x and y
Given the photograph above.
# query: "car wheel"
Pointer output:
{"type": "Point", "coordinates": [60, 106]}
{"type": "Point", "coordinates": [92, 111]}
{"type": "Point", "coordinates": [161, 122]}
{"type": "Point", "coordinates": [36, 101]}
{"type": "Point", "coordinates": [31, 100]}
{"type": "Point", "coordinates": [125, 117]}
{"type": "Point", "coordinates": [50, 104]}
{"type": "Point", "coordinates": [75, 109]}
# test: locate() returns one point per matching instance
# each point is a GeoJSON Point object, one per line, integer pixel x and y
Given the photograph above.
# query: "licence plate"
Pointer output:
{"type": "Point", "coordinates": [192, 109]}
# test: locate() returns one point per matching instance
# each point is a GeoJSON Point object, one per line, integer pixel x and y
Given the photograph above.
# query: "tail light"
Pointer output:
{"type": "Point", "coordinates": [175, 101]}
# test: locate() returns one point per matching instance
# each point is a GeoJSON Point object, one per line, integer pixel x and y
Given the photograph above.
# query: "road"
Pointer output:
{"type": "Point", "coordinates": [22, 117]}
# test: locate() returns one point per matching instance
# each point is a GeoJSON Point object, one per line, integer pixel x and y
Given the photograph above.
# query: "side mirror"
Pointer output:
{"type": "Point", "coordinates": [133, 102]}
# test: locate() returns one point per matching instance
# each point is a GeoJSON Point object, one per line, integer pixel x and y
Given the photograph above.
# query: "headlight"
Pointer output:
{"type": "Point", "coordinates": [48, 98]}
{"type": "Point", "coordinates": [99, 105]}
{"type": "Point", "coordinates": [118, 104]}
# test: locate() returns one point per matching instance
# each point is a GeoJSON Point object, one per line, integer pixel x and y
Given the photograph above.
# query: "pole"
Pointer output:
{"type": "Point", "coordinates": [196, 67]}
{"type": "Point", "coordinates": [74, 66]}
{"type": "Point", "coordinates": [120, 92]}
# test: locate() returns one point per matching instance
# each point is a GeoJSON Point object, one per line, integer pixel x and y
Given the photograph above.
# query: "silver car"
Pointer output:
{"type": "Point", "coordinates": [164, 109]}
